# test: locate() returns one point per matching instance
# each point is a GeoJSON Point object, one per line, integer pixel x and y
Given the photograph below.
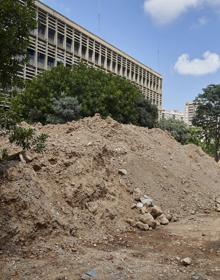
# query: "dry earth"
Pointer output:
{"type": "Point", "coordinates": [64, 212]}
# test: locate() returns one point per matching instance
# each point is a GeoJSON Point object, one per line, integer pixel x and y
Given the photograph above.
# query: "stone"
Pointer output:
{"type": "Point", "coordinates": [123, 172]}
{"type": "Point", "coordinates": [149, 220]}
{"type": "Point", "coordinates": [217, 199]}
{"type": "Point", "coordinates": [139, 205]}
{"type": "Point", "coordinates": [186, 261]}
{"type": "Point", "coordinates": [92, 207]}
{"type": "Point", "coordinates": [143, 210]}
{"type": "Point", "coordinates": [142, 226]}
{"type": "Point", "coordinates": [217, 208]}
{"type": "Point", "coordinates": [131, 222]}
{"type": "Point", "coordinates": [197, 276]}
{"type": "Point", "coordinates": [156, 211]}
{"type": "Point", "coordinates": [146, 201]}
{"type": "Point", "coordinates": [137, 194]}
{"type": "Point", "coordinates": [169, 217]}
{"type": "Point", "coordinates": [162, 219]}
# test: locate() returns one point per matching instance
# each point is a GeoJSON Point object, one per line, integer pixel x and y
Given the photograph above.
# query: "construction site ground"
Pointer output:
{"type": "Point", "coordinates": [132, 255]}
{"type": "Point", "coordinates": [79, 211]}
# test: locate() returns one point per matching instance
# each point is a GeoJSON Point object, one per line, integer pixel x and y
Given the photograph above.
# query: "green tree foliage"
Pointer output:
{"type": "Point", "coordinates": [147, 114]}
{"type": "Point", "coordinates": [92, 91]}
{"type": "Point", "coordinates": [207, 118]}
{"type": "Point", "coordinates": [16, 22]}
{"type": "Point", "coordinates": [65, 109]}
{"type": "Point", "coordinates": [178, 129]}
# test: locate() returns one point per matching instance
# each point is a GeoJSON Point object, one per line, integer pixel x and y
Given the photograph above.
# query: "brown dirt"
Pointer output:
{"type": "Point", "coordinates": [64, 213]}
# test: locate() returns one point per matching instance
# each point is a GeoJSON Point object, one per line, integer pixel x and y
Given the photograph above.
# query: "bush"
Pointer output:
{"type": "Point", "coordinates": [69, 93]}
{"type": "Point", "coordinates": [178, 129]}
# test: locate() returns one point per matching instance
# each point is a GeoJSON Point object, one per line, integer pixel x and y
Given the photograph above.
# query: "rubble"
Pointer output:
{"type": "Point", "coordinates": [111, 184]}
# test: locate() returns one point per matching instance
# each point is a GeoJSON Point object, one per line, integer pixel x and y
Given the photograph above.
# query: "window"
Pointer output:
{"type": "Point", "coordinates": [76, 47]}
{"type": "Point", "coordinates": [51, 35]}
{"type": "Point", "coordinates": [50, 62]}
{"type": "Point", "coordinates": [41, 30]}
{"type": "Point", "coordinates": [41, 60]}
{"type": "Point", "coordinates": [31, 56]}
{"type": "Point", "coordinates": [60, 39]}
{"type": "Point", "coordinates": [84, 51]}
{"type": "Point", "coordinates": [96, 58]}
{"type": "Point", "coordinates": [69, 43]}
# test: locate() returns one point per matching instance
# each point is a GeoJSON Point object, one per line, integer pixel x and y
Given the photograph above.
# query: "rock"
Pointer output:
{"type": "Point", "coordinates": [139, 205]}
{"type": "Point", "coordinates": [92, 207]}
{"type": "Point", "coordinates": [123, 172]}
{"type": "Point", "coordinates": [217, 199]}
{"type": "Point", "coordinates": [142, 226]}
{"type": "Point", "coordinates": [149, 220]}
{"type": "Point", "coordinates": [89, 275]}
{"type": "Point", "coordinates": [169, 217]}
{"type": "Point", "coordinates": [186, 261]}
{"type": "Point", "coordinates": [137, 194]}
{"type": "Point", "coordinates": [175, 219]}
{"type": "Point", "coordinates": [217, 208]}
{"type": "Point", "coordinates": [217, 203]}
{"type": "Point", "coordinates": [143, 210]}
{"type": "Point", "coordinates": [156, 211]}
{"type": "Point", "coordinates": [163, 220]}
{"type": "Point", "coordinates": [197, 276]}
{"type": "Point", "coordinates": [146, 200]}
{"type": "Point", "coordinates": [131, 222]}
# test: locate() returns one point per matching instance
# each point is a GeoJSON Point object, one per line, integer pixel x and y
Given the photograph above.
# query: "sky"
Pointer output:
{"type": "Point", "coordinates": [180, 39]}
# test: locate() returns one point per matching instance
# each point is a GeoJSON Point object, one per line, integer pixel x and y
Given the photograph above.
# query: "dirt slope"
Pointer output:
{"type": "Point", "coordinates": [76, 189]}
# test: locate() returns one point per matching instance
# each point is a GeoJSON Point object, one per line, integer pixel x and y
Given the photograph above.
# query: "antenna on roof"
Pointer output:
{"type": "Point", "coordinates": [99, 16]}
{"type": "Point", "coordinates": [158, 56]}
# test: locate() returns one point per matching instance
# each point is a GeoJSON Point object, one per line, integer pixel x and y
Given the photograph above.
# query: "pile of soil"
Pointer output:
{"type": "Point", "coordinates": [77, 187]}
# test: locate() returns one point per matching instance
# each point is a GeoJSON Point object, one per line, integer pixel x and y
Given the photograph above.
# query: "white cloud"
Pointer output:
{"type": "Point", "coordinates": [166, 11]}
{"type": "Point", "coordinates": [209, 63]}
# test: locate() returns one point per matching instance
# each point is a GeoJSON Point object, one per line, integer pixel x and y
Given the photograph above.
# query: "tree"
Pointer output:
{"type": "Point", "coordinates": [94, 90]}
{"type": "Point", "coordinates": [65, 109]}
{"type": "Point", "coordinates": [207, 118]}
{"type": "Point", "coordinates": [178, 129]}
{"type": "Point", "coordinates": [147, 113]}
{"type": "Point", "coordinates": [16, 22]}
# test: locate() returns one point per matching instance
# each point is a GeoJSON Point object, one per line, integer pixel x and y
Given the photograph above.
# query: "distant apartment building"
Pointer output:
{"type": "Point", "coordinates": [172, 114]}
{"type": "Point", "coordinates": [190, 109]}
{"type": "Point", "coordinates": [57, 40]}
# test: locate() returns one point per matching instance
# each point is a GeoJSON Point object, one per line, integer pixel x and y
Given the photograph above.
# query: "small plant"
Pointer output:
{"type": "Point", "coordinates": [40, 143]}
{"type": "Point", "coordinates": [27, 139]}
{"type": "Point", "coordinates": [3, 154]}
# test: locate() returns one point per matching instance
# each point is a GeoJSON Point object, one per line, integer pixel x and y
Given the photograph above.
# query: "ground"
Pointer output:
{"type": "Point", "coordinates": [133, 255]}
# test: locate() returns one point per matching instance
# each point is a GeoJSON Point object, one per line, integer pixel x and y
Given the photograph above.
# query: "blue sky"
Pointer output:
{"type": "Point", "coordinates": [178, 38]}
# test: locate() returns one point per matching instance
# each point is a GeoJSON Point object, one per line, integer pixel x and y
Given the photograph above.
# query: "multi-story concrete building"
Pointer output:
{"type": "Point", "coordinates": [60, 40]}
{"type": "Point", "coordinates": [190, 109]}
{"type": "Point", "coordinates": [172, 114]}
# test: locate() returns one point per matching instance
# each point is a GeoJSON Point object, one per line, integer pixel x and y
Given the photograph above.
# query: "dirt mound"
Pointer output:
{"type": "Point", "coordinates": [83, 184]}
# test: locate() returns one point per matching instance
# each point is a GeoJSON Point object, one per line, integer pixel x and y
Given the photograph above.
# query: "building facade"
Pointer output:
{"type": "Point", "coordinates": [59, 40]}
{"type": "Point", "coordinates": [190, 110]}
{"type": "Point", "coordinates": [172, 114]}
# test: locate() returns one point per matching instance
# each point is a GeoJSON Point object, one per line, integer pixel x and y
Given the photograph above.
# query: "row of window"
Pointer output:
{"type": "Point", "coordinates": [68, 59]}
{"type": "Point", "coordinates": [66, 37]}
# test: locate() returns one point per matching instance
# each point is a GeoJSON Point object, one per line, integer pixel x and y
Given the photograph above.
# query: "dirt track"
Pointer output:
{"type": "Point", "coordinates": [141, 255]}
